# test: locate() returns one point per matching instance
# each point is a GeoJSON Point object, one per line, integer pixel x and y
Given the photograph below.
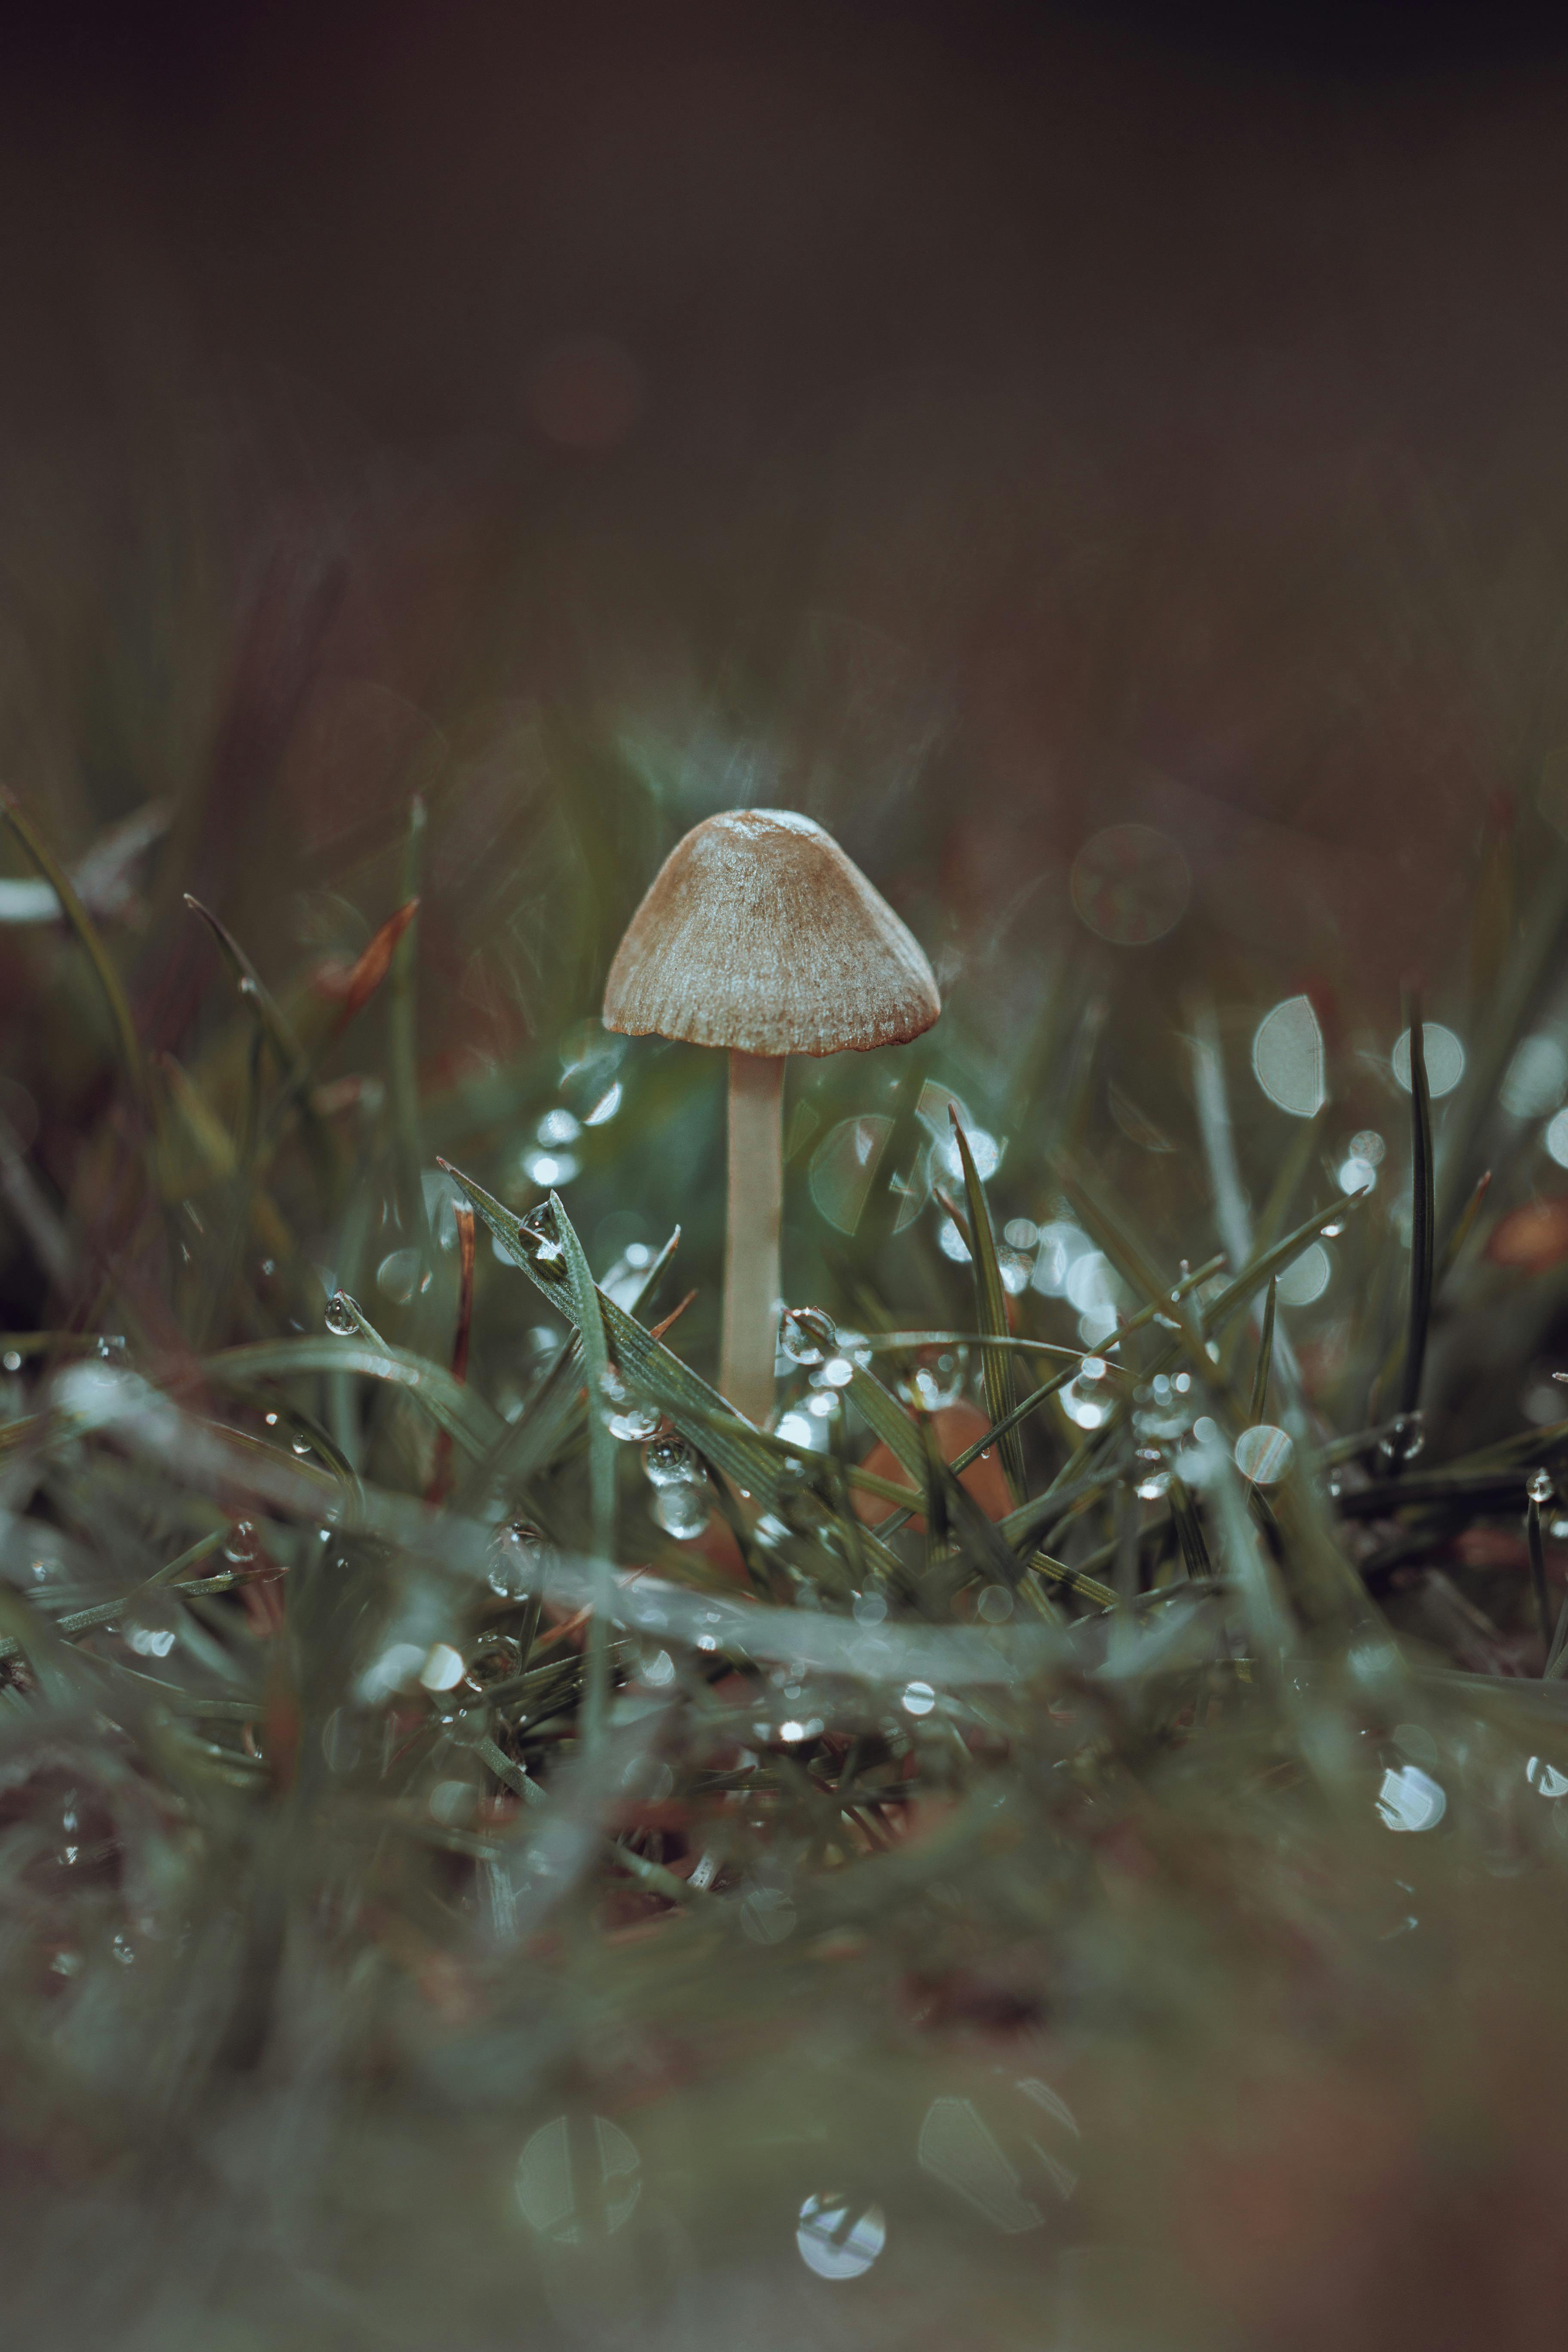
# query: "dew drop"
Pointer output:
{"type": "Point", "coordinates": [1540, 1488]}
{"type": "Point", "coordinates": [111, 1346]}
{"type": "Point", "coordinates": [669, 1461]}
{"type": "Point", "coordinates": [626, 1417]}
{"type": "Point", "coordinates": [919, 1698]}
{"type": "Point", "coordinates": [243, 1544]}
{"type": "Point", "coordinates": [340, 1317]}
{"type": "Point", "coordinates": [681, 1510]}
{"type": "Point", "coordinates": [807, 1336]}
{"type": "Point", "coordinates": [1403, 1439]}
{"type": "Point", "coordinates": [537, 1233]}
{"type": "Point", "coordinates": [12, 1359]}
{"type": "Point", "coordinates": [516, 1554]}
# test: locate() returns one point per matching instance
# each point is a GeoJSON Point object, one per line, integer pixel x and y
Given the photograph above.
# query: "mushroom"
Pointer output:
{"type": "Point", "coordinates": [760, 935]}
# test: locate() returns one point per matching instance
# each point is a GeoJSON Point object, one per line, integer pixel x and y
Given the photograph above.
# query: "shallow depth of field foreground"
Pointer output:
{"type": "Point", "coordinates": [783, 1203]}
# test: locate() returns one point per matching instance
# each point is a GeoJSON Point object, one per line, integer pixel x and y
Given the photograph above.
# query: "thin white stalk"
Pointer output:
{"type": "Point", "coordinates": [752, 1238]}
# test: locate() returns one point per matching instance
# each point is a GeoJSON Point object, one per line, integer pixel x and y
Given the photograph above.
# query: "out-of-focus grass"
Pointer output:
{"type": "Point", "coordinates": [1115, 1903]}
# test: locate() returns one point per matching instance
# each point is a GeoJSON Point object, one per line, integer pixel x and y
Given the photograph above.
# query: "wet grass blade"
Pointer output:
{"type": "Point", "coordinates": [1091, 1197]}
{"type": "Point", "coordinates": [698, 1410]}
{"type": "Point", "coordinates": [441, 1468]}
{"type": "Point", "coordinates": [288, 1052]}
{"type": "Point", "coordinates": [1265, 1351]}
{"type": "Point", "coordinates": [451, 1404]}
{"type": "Point", "coordinates": [587, 1316]}
{"type": "Point", "coordinates": [1538, 1573]}
{"type": "Point", "coordinates": [1271, 1262]}
{"type": "Point", "coordinates": [1422, 1214]}
{"type": "Point", "coordinates": [991, 1316]}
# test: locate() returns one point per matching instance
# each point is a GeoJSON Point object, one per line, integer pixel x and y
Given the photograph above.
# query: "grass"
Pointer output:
{"type": "Point", "coordinates": [493, 1846]}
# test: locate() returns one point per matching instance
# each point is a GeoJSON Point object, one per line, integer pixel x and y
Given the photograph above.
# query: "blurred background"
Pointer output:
{"type": "Point", "coordinates": [984, 428]}
{"type": "Point", "coordinates": [1108, 464]}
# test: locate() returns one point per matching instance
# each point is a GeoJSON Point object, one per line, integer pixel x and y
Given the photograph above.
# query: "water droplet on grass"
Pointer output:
{"type": "Point", "coordinates": [681, 1510]}
{"type": "Point", "coordinates": [495, 1658]}
{"type": "Point", "coordinates": [516, 1558]}
{"type": "Point", "coordinates": [537, 1233]}
{"type": "Point", "coordinates": [1540, 1487]}
{"type": "Point", "coordinates": [340, 1317]}
{"type": "Point", "coordinates": [1403, 1439]}
{"type": "Point", "coordinates": [806, 1335]}
{"type": "Point", "coordinates": [669, 1461]}
{"type": "Point", "coordinates": [628, 1417]}
{"type": "Point", "coordinates": [919, 1698]}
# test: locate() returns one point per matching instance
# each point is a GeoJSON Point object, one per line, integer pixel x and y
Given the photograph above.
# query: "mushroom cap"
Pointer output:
{"type": "Point", "coordinates": [759, 934]}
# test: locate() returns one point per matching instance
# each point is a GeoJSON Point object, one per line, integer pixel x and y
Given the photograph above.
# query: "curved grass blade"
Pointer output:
{"type": "Point", "coordinates": [1251, 1279]}
{"type": "Point", "coordinates": [991, 1315]}
{"type": "Point", "coordinates": [1265, 1351]}
{"type": "Point", "coordinates": [451, 1405]}
{"type": "Point", "coordinates": [1538, 1571]}
{"type": "Point", "coordinates": [586, 1315]}
{"type": "Point", "coordinates": [1423, 1217]}
{"type": "Point", "coordinates": [698, 1410]}
{"type": "Point", "coordinates": [91, 941]}
{"type": "Point", "coordinates": [286, 1046]}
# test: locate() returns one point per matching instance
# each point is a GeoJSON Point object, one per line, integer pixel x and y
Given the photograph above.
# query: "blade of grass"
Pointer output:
{"type": "Point", "coordinates": [91, 941]}
{"type": "Point", "coordinates": [1538, 1570]}
{"type": "Point", "coordinates": [1423, 1214]}
{"type": "Point", "coordinates": [1265, 1351]}
{"type": "Point", "coordinates": [586, 1315]}
{"type": "Point", "coordinates": [991, 1315]}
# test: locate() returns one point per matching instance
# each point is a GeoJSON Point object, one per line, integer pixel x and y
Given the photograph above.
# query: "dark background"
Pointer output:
{"type": "Point", "coordinates": [977, 424]}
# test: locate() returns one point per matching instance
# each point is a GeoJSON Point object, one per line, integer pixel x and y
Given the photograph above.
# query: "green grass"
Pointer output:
{"type": "Point", "coordinates": [1105, 1907]}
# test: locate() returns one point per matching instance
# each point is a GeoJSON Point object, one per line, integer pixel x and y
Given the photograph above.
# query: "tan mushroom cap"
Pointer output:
{"type": "Point", "coordinates": [759, 934]}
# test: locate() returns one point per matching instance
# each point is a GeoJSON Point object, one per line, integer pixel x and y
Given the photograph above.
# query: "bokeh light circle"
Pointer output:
{"type": "Point", "coordinates": [1445, 1058]}
{"type": "Point", "coordinates": [1131, 885]}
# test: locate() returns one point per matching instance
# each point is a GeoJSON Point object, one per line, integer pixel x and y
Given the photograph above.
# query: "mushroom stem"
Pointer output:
{"type": "Point", "coordinates": [751, 1240]}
